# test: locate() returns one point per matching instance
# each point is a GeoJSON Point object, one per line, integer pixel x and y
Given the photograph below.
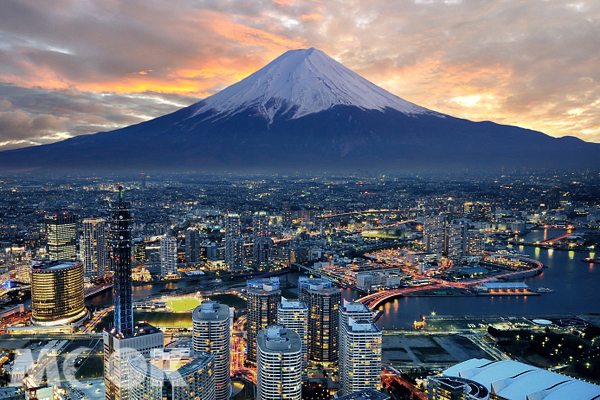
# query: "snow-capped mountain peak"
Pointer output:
{"type": "Point", "coordinates": [302, 82]}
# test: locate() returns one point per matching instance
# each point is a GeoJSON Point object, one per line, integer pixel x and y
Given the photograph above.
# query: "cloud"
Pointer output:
{"type": "Point", "coordinates": [16, 125]}
{"type": "Point", "coordinates": [105, 64]}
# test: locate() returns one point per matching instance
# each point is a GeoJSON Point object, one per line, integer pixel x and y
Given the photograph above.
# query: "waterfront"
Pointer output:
{"type": "Point", "coordinates": [575, 284]}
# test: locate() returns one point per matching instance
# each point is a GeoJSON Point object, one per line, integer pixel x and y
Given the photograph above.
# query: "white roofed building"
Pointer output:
{"type": "Point", "coordinates": [512, 380]}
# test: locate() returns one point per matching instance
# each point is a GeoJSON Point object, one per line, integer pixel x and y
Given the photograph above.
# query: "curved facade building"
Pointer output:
{"type": "Point", "coordinates": [173, 374]}
{"type": "Point", "coordinates": [279, 365]}
{"type": "Point", "coordinates": [57, 292]}
{"type": "Point", "coordinates": [212, 335]}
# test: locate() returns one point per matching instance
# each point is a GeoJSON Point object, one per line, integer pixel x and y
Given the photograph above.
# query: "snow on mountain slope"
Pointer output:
{"type": "Point", "coordinates": [303, 82]}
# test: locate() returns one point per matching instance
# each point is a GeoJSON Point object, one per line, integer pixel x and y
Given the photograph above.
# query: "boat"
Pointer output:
{"type": "Point", "coordinates": [544, 290]}
{"type": "Point", "coordinates": [595, 260]}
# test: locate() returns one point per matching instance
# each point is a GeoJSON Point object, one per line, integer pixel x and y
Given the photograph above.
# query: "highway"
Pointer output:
{"type": "Point", "coordinates": [374, 300]}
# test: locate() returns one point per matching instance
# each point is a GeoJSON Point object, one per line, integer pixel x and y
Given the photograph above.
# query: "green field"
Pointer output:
{"type": "Point", "coordinates": [184, 304]}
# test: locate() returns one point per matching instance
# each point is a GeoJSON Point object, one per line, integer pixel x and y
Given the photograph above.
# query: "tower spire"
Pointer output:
{"type": "Point", "coordinates": [121, 258]}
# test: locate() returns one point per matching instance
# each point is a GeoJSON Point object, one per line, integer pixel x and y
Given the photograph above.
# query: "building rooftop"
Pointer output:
{"type": "Point", "coordinates": [317, 283]}
{"type": "Point", "coordinates": [263, 284]}
{"type": "Point", "coordinates": [292, 304]}
{"type": "Point", "coordinates": [476, 390]}
{"type": "Point", "coordinates": [278, 338]}
{"type": "Point", "coordinates": [513, 380]}
{"type": "Point", "coordinates": [354, 306]}
{"type": "Point", "coordinates": [166, 367]}
{"type": "Point", "coordinates": [211, 310]}
{"type": "Point", "coordinates": [53, 265]}
{"type": "Point", "coordinates": [362, 325]}
{"type": "Point", "coordinates": [505, 285]}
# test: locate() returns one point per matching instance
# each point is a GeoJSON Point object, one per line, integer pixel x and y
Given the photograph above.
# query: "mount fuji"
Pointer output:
{"type": "Point", "coordinates": [306, 112]}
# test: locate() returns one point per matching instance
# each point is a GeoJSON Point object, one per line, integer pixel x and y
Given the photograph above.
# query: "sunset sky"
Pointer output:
{"type": "Point", "coordinates": [72, 67]}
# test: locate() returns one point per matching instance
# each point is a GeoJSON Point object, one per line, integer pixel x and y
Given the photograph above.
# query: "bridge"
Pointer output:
{"type": "Point", "coordinates": [376, 299]}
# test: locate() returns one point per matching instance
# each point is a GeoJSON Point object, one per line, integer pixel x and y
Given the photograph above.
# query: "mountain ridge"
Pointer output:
{"type": "Point", "coordinates": [270, 121]}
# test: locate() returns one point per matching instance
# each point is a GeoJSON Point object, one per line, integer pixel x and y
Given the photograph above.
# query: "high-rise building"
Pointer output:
{"type": "Point", "coordinates": [348, 310]}
{"type": "Point", "coordinates": [433, 233]}
{"type": "Point", "coordinates": [125, 339]}
{"type": "Point", "coordinates": [279, 366]}
{"type": "Point", "coordinates": [192, 246]}
{"type": "Point", "coordinates": [323, 301]}
{"type": "Point", "coordinates": [212, 335]}
{"type": "Point", "coordinates": [173, 374]}
{"type": "Point", "coordinates": [168, 256]}
{"type": "Point", "coordinates": [475, 245]}
{"type": "Point", "coordinates": [139, 250]}
{"type": "Point", "coordinates": [263, 297]}
{"type": "Point", "coordinates": [455, 238]}
{"type": "Point", "coordinates": [261, 242]}
{"type": "Point", "coordinates": [57, 296]}
{"type": "Point", "coordinates": [61, 236]}
{"type": "Point", "coordinates": [361, 355]}
{"type": "Point", "coordinates": [293, 314]}
{"type": "Point", "coordinates": [234, 244]}
{"type": "Point", "coordinates": [305, 283]}
{"type": "Point", "coordinates": [94, 247]}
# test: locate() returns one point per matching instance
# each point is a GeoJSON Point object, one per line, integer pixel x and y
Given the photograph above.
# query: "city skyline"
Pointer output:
{"type": "Point", "coordinates": [70, 70]}
{"type": "Point", "coordinates": [394, 290]}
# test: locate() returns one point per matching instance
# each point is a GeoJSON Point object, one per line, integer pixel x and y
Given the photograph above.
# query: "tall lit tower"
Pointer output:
{"type": "Point", "coordinates": [323, 301]}
{"type": "Point", "coordinates": [94, 247]}
{"type": "Point", "coordinates": [293, 314]}
{"type": "Point", "coordinates": [125, 340]}
{"type": "Point", "coordinates": [261, 241]}
{"type": "Point", "coordinates": [121, 260]}
{"type": "Point", "coordinates": [192, 246]}
{"type": "Point", "coordinates": [361, 355]}
{"type": "Point", "coordinates": [357, 311]}
{"type": "Point", "coordinates": [61, 236]}
{"type": "Point", "coordinates": [212, 335]}
{"type": "Point", "coordinates": [433, 233]}
{"type": "Point", "coordinates": [263, 298]}
{"type": "Point", "coordinates": [279, 366]}
{"type": "Point", "coordinates": [234, 244]}
{"type": "Point", "coordinates": [168, 255]}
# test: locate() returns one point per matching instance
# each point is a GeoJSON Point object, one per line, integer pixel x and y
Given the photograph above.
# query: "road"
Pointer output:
{"type": "Point", "coordinates": [375, 299]}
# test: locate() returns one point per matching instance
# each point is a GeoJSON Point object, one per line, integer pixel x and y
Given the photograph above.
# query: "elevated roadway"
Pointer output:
{"type": "Point", "coordinates": [376, 299]}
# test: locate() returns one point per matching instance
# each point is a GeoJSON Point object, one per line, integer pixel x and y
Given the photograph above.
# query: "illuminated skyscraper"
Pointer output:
{"type": "Point", "coordinates": [293, 314]}
{"type": "Point", "coordinates": [433, 233]}
{"type": "Point", "coordinates": [168, 256]}
{"type": "Point", "coordinates": [279, 366]}
{"type": "Point", "coordinates": [263, 298]}
{"type": "Point", "coordinates": [57, 292]}
{"type": "Point", "coordinates": [323, 301]}
{"type": "Point", "coordinates": [234, 244]}
{"type": "Point", "coordinates": [360, 351]}
{"type": "Point", "coordinates": [61, 236]}
{"type": "Point", "coordinates": [94, 247]}
{"type": "Point", "coordinates": [357, 311]}
{"type": "Point", "coordinates": [261, 241]}
{"type": "Point", "coordinates": [192, 246]}
{"type": "Point", "coordinates": [212, 335]}
{"type": "Point", "coordinates": [125, 340]}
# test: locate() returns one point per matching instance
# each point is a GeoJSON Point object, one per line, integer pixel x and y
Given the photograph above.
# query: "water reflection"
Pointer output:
{"type": "Point", "coordinates": [574, 285]}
